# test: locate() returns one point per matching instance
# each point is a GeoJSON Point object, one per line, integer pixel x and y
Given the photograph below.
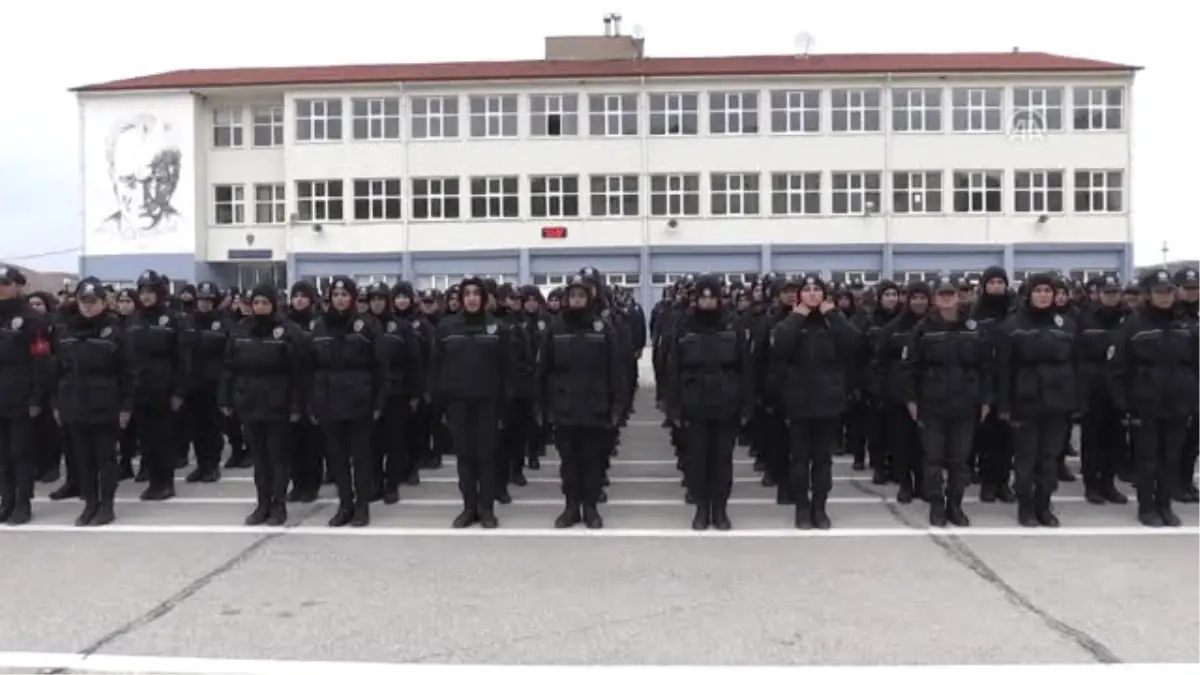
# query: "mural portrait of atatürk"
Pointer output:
{"type": "Point", "coordinates": [144, 164]}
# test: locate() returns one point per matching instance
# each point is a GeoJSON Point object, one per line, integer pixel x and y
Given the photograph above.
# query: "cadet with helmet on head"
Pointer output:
{"type": "Point", "coordinates": [23, 381]}
{"type": "Point", "coordinates": [93, 395]}
{"type": "Point", "coordinates": [1187, 281]}
{"type": "Point", "coordinates": [1102, 438]}
{"type": "Point", "coordinates": [405, 377]}
{"type": "Point", "coordinates": [211, 334]}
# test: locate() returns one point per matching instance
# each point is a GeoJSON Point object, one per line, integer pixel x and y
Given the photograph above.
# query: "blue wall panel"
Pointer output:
{"type": "Point", "coordinates": [1067, 259]}
{"type": "Point", "coordinates": [822, 260]}
{"type": "Point", "coordinates": [544, 263]}
{"type": "Point", "coordinates": [324, 265]}
{"type": "Point", "coordinates": [712, 260]}
{"type": "Point", "coordinates": [459, 265]}
{"type": "Point", "coordinates": [946, 260]}
{"type": "Point", "coordinates": [177, 266]}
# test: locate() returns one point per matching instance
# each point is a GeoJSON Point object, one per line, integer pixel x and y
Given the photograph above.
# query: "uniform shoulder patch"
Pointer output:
{"type": "Point", "coordinates": [164, 320]}
{"type": "Point", "coordinates": [216, 325]}
{"type": "Point", "coordinates": [541, 325]}
{"type": "Point", "coordinates": [278, 332]}
{"type": "Point", "coordinates": [597, 325]}
{"type": "Point", "coordinates": [17, 322]}
{"type": "Point", "coordinates": [106, 331]}
{"type": "Point", "coordinates": [491, 329]}
{"type": "Point", "coordinates": [1112, 350]}
{"type": "Point", "coordinates": [971, 325]}
{"type": "Point", "coordinates": [312, 323]}
{"type": "Point", "coordinates": [358, 325]}
{"type": "Point", "coordinates": [1058, 320]}
{"type": "Point", "coordinates": [415, 324]}
{"type": "Point", "coordinates": [904, 353]}
{"type": "Point", "coordinates": [392, 326]}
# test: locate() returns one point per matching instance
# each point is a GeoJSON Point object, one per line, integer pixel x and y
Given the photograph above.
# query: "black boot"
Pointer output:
{"type": "Point", "coordinates": [413, 479]}
{"type": "Point", "coordinates": [879, 476]}
{"type": "Point", "coordinates": [905, 494]}
{"type": "Point", "coordinates": [591, 517]}
{"type": "Point", "coordinates": [105, 515]}
{"type": "Point", "coordinates": [467, 518]}
{"type": "Point", "coordinates": [89, 512]}
{"type": "Point", "coordinates": [1169, 519]}
{"type": "Point", "coordinates": [519, 479]}
{"type": "Point", "coordinates": [1025, 513]}
{"type": "Point", "coordinates": [803, 518]}
{"type": "Point", "coordinates": [143, 474]}
{"type": "Point", "coordinates": [503, 497]}
{"type": "Point", "coordinates": [535, 464]}
{"type": "Point", "coordinates": [569, 517]}
{"type": "Point", "coordinates": [22, 513]}
{"type": "Point", "coordinates": [362, 514]}
{"type": "Point", "coordinates": [259, 515]}
{"type": "Point", "coordinates": [194, 476]}
{"type": "Point", "coordinates": [278, 515]}
{"type": "Point", "coordinates": [1111, 494]}
{"type": "Point", "coordinates": [344, 515]}
{"type": "Point", "coordinates": [157, 494]}
{"type": "Point", "coordinates": [720, 517]}
{"type": "Point", "coordinates": [1064, 472]}
{"type": "Point", "coordinates": [703, 517]}
{"type": "Point", "coordinates": [820, 519]}
{"type": "Point", "coordinates": [65, 491]}
{"type": "Point", "coordinates": [954, 511]}
{"type": "Point", "coordinates": [1093, 495]}
{"type": "Point", "coordinates": [50, 475]}
{"type": "Point", "coordinates": [1004, 493]}
{"type": "Point", "coordinates": [391, 494]}
{"type": "Point", "coordinates": [6, 510]}
{"type": "Point", "coordinates": [488, 520]}
{"type": "Point", "coordinates": [988, 492]}
{"type": "Point", "coordinates": [1045, 514]}
{"type": "Point", "coordinates": [1149, 516]}
{"type": "Point", "coordinates": [937, 512]}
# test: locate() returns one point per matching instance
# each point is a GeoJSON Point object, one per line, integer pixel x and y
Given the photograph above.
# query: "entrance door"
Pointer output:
{"type": "Point", "coordinates": [250, 275]}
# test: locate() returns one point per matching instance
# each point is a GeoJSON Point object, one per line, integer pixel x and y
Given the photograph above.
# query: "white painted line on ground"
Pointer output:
{"type": "Point", "coordinates": [519, 501]}
{"type": "Point", "coordinates": [170, 665]}
{"type": "Point", "coordinates": [640, 533]}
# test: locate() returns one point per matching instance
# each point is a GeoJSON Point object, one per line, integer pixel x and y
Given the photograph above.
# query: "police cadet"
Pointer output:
{"type": "Point", "coordinates": [871, 324]}
{"type": "Point", "coordinates": [349, 390]}
{"type": "Point", "coordinates": [993, 449]}
{"type": "Point", "coordinates": [162, 368]}
{"type": "Point", "coordinates": [1153, 376]}
{"type": "Point", "coordinates": [1036, 393]}
{"type": "Point", "coordinates": [92, 395]}
{"type": "Point", "coordinates": [404, 381]}
{"type": "Point", "coordinates": [580, 388]}
{"type": "Point", "coordinates": [948, 387]}
{"type": "Point", "coordinates": [1102, 438]}
{"type": "Point", "coordinates": [23, 381]}
{"type": "Point", "coordinates": [308, 445]}
{"type": "Point", "coordinates": [900, 433]}
{"type": "Point", "coordinates": [1187, 280]}
{"type": "Point", "coordinates": [471, 379]}
{"type": "Point", "coordinates": [710, 395]}
{"type": "Point", "coordinates": [518, 418]}
{"type": "Point", "coordinates": [211, 334]}
{"type": "Point", "coordinates": [264, 380]}
{"type": "Point", "coordinates": [811, 354]}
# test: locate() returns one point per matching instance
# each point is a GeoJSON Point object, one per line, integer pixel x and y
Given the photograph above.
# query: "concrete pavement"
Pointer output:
{"type": "Point", "coordinates": [186, 579]}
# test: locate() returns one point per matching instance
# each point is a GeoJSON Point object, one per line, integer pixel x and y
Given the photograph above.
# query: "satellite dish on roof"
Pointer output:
{"type": "Point", "coordinates": [804, 42]}
{"type": "Point", "coordinates": [638, 32]}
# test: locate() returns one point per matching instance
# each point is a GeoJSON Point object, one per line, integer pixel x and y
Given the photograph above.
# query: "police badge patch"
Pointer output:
{"type": "Point", "coordinates": [416, 324]}
{"type": "Point", "coordinates": [1108, 355]}
{"type": "Point", "coordinates": [106, 331]}
{"type": "Point", "coordinates": [391, 326]}
{"type": "Point", "coordinates": [491, 329]}
{"type": "Point", "coordinates": [541, 325]}
{"type": "Point", "coordinates": [17, 322]}
{"type": "Point", "coordinates": [358, 325]}
{"type": "Point", "coordinates": [164, 320]}
{"type": "Point", "coordinates": [1058, 320]}
{"type": "Point", "coordinates": [216, 325]}
{"type": "Point", "coordinates": [312, 324]}
{"type": "Point", "coordinates": [904, 353]}
{"type": "Point", "coordinates": [597, 326]}
{"type": "Point", "coordinates": [277, 333]}
{"type": "Point", "coordinates": [971, 325]}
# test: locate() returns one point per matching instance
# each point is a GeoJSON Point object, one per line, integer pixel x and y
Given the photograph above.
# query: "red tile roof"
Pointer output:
{"type": "Point", "coordinates": [720, 66]}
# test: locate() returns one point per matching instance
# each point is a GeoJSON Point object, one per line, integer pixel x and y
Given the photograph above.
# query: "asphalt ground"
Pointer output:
{"type": "Point", "coordinates": [184, 579]}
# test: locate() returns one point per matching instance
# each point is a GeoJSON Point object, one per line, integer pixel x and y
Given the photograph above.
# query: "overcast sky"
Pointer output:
{"type": "Point", "coordinates": [55, 44]}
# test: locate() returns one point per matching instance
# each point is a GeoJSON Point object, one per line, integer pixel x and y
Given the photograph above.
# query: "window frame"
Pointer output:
{"type": "Point", "coordinates": [621, 195]}
{"type": "Point", "coordinates": [386, 193]}
{"type": "Point", "coordinates": [276, 206]}
{"type": "Point", "coordinates": [963, 112]}
{"type": "Point", "coordinates": [905, 190]}
{"type": "Point", "coordinates": [229, 119]}
{"type": "Point", "coordinates": [1090, 109]}
{"type": "Point", "coordinates": [566, 110]}
{"type": "Point", "coordinates": [507, 202]}
{"type": "Point", "coordinates": [857, 101]}
{"type": "Point", "coordinates": [670, 114]}
{"type": "Point", "coordinates": [788, 105]}
{"type": "Point", "coordinates": [235, 204]}
{"type": "Point", "coordinates": [790, 192]}
{"type": "Point", "coordinates": [627, 122]}
{"type": "Point", "coordinates": [422, 198]}
{"type": "Point", "coordinates": [499, 121]}
{"type": "Point", "coordinates": [734, 108]}
{"type": "Point", "coordinates": [390, 111]}
{"type": "Point", "coordinates": [271, 120]}
{"type": "Point", "coordinates": [542, 196]}
{"type": "Point", "coordinates": [334, 204]}
{"type": "Point", "coordinates": [908, 101]}
{"type": "Point", "coordinates": [1104, 192]}
{"type": "Point", "coordinates": [977, 187]}
{"type": "Point", "coordinates": [868, 191]}
{"type": "Point", "coordinates": [724, 196]}
{"type": "Point", "coordinates": [447, 118]}
{"type": "Point", "coordinates": [678, 189]}
{"type": "Point", "coordinates": [1026, 188]}
{"type": "Point", "coordinates": [330, 120]}
{"type": "Point", "coordinates": [1030, 104]}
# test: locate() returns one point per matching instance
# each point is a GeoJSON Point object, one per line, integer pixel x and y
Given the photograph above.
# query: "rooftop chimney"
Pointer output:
{"type": "Point", "coordinates": [611, 46]}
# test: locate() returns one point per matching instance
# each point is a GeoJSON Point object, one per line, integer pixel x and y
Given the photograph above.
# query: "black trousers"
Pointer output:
{"type": "Point", "coordinates": [97, 470]}
{"type": "Point", "coordinates": [946, 443]}
{"type": "Point", "coordinates": [232, 426]}
{"type": "Point", "coordinates": [514, 440]}
{"type": "Point", "coordinates": [157, 441]}
{"type": "Point", "coordinates": [777, 444]}
{"type": "Point", "coordinates": [18, 461]}
{"type": "Point", "coordinates": [877, 445]}
{"type": "Point", "coordinates": [810, 447]}
{"type": "Point", "coordinates": [350, 457]}
{"type": "Point", "coordinates": [1037, 442]}
{"type": "Point", "coordinates": [205, 423]}
{"type": "Point", "coordinates": [709, 463]}
{"type": "Point", "coordinates": [48, 442]}
{"type": "Point", "coordinates": [1157, 443]}
{"type": "Point", "coordinates": [269, 445]}
{"type": "Point", "coordinates": [308, 447]}
{"type": "Point", "coordinates": [475, 438]}
{"type": "Point", "coordinates": [128, 445]}
{"type": "Point", "coordinates": [1101, 440]}
{"type": "Point", "coordinates": [1188, 456]}
{"type": "Point", "coordinates": [903, 443]}
{"type": "Point", "coordinates": [392, 442]}
{"type": "Point", "coordinates": [855, 425]}
{"type": "Point", "coordinates": [582, 450]}
{"type": "Point", "coordinates": [995, 446]}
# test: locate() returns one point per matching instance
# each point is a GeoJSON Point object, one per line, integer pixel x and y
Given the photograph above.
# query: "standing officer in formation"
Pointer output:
{"type": "Point", "coordinates": [362, 388]}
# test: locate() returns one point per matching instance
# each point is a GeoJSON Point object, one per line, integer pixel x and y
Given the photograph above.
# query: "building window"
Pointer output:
{"type": "Point", "coordinates": [733, 112]}
{"type": "Point", "coordinates": [796, 194]}
{"type": "Point", "coordinates": [864, 277]}
{"type": "Point", "coordinates": [1099, 108]}
{"type": "Point", "coordinates": [227, 127]}
{"type": "Point", "coordinates": [1098, 191]}
{"type": "Point", "coordinates": [376, 119]}
{"type": "Point", "coordinates": [553, 115]}
{"type": "Point", "coordinates": [978, 110]}
{"type": "Point", "coordinates": [796, 112]}
{"type": "Point", "coordinates": [615, 196]}
{"type": "Point", "coordinates": [377, 199]}
{"type": "Point", "coordinates": [270, 204]}
{"type": "Point", "coordinates": [495, 197]}
{"type": "Point", "coordinates": [268, 126]}
{"type": "Point", "coordinates": [494, 116]}
{"type": "Point", "coordinates": [917, 192]}
{"type": "Point", "coordinates": [666, 278]}
{"type": "Point", "coordinates": [856, 193]}
{"type": "Point", "coordinates": [230, 203]}
{"type": "Point", "coordinates": [675, 194]}
{"type": "Point", "coordinates": [1037, 109]}
{"type": "Point", "coordinates": [318, 119]}
{"type": "Point", "coordinates": [319, 201]}
{"type": "Point", "coordinates": [674, 114]}
{"type": "Point", "coordinates": [623, 279]}
{"type": "Point", "coordinates": [734, 194]}
{"type": "Point", "coordinates": [1038, 191]}
{"type": "Point", "coordinates": [978, 192]}
{"type": "Point", "coordinates": [434, 199]}
{"type": "Point", "coordinates": [434, 117]}
{"type": "Point", "coordinates": [916, 110]}
{"type": "Point", "coordinates": [545, 281]}
{"type": "Point", "coordinates": [855, 110]}
{"type": "Point", "coordinates": [613, 114]}
{"type": "Point", "coordinates": [554, 196]}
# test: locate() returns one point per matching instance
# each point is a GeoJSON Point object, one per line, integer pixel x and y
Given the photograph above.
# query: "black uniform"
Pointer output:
{"type": "Point", "coordinates": [395, 449]}
{"type": "Point", "coordinates": [1101, 434]}
{"type": "Point", "coordinates": [308, 444]}
{"type": "Point", "coordinates": [993, 446]}
{"type": "Point", "coordinates": [581, 380]}
{"type": "Point", "coordinates": [265, 380]}
{"type": "Point", "coordinates": [23, 351]}
{"type": "Point", "coordinates": [902, 438]}
{"type": "Point", "coordinates": [92, 395]}
{"type": "Point", "coordinates": [710, 394]}
{"type": "Point", "coordinates": [210, 337]}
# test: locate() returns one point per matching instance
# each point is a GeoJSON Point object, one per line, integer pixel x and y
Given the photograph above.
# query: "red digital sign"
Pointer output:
{"type": "Point", "coordinates": [557, 232]}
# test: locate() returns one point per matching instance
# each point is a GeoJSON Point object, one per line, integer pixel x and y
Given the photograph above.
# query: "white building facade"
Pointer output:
{"type": "Point", "coordinates": [865, 176]}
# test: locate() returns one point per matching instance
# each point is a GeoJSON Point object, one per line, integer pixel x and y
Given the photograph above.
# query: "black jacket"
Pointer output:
{"type": "Point", "coordinates": [265, 374]}
{"type": "Point", "coordinates": [581, 376]}
{"type": "Point", "coordinates": [92, 369]}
